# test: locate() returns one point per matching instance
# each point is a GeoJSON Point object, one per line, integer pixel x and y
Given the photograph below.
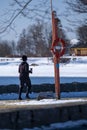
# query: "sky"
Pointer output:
{"type": "Point", "coordinates": [21, 22]}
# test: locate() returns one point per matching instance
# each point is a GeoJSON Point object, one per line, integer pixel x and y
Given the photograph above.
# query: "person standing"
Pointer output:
{"type": "Point", "coordinates": [24, 77]}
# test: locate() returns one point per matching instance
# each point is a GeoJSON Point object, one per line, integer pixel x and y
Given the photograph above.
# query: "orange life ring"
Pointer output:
{"type": "Point", "coordinates": [56, 52]}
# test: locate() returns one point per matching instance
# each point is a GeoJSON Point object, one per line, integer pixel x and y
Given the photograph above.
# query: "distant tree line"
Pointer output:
{"type": "Point", "coordinates": [80, 6]}
{"type": "Point", "coordinates": [82, 35]}
{"type": "Point", "coordinates": [5, 49]}
{"type": "Point", "coordinates": [34, 41]}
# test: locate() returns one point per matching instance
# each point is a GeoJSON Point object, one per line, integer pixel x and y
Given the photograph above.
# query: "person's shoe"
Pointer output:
{"type": "Point", "coordinates": [20, 98]}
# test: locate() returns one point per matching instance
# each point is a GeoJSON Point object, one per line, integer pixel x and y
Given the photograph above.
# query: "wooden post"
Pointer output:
{"type": "Point", "coordinates": [56, 59]}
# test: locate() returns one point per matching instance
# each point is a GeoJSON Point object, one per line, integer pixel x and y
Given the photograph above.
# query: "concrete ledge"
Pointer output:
{"type": "Point", "coordinates": [16, 114]}
{"type": "Point", "coordinates": [15, 105]}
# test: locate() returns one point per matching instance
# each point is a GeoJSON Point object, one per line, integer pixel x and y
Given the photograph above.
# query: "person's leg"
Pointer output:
{"type": "Point", "coordinates": [28, 84]}
{"type": "Point", "coordinates": [20, 89]}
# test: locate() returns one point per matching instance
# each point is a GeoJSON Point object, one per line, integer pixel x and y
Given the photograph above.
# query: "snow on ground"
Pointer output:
{"type": "Point", "coordinates": [44, 102]}
{"type": "Point", "coordinates": [45, 67]}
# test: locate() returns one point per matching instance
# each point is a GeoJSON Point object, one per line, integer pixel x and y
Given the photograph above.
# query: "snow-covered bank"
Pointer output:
{"type": "Point", "coordinates": [77, 67]}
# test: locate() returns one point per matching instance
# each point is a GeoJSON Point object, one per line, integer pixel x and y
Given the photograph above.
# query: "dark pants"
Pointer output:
{"type": "Point", "coordinates": [23, 82]}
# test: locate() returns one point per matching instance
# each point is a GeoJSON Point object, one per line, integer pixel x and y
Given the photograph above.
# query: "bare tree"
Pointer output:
{"type": "Point", "coordinates": [79, 6]}
{"type": "Point", "coordinates": [13, 46]}
{"type": "Point", "coordinates": [34, 42]}
{"type": "Point", "coordinates": [22, 43]}
{"type": "Point", "coordinates": [5, 49]}
{"type": "Point", "coordinates": [29, 9]}
{"type": "Point", "coordinates": [82, 34]}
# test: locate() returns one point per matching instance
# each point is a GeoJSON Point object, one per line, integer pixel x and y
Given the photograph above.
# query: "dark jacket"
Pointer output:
{"type": "Point", "coordinates": [24, 70]}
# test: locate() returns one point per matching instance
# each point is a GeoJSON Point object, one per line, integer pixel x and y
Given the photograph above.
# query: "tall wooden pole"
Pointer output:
{"type": "Point", "coordinates": [56, 58]}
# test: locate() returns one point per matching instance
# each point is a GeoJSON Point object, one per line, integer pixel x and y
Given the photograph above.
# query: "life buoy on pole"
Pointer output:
{"type": "Point", "coordinates": [54, 47]}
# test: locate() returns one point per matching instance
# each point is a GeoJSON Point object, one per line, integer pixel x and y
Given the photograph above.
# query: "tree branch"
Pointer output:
{"type": "Point", "coordinates": [14, 17]}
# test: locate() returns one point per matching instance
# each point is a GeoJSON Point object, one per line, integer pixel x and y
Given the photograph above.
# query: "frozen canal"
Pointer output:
{"type": "Point", "coordinates": [41, 80]}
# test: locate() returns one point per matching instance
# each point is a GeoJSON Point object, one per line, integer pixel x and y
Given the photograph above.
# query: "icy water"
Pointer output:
{"type": "Point", "coordinates": [75, 128]}
{"type": "Point", "coordinates": [63, 126]}
{"type": "Point", "coordinates": [41, 80]}
{"type": "Point", "coordinates": [51, 128]}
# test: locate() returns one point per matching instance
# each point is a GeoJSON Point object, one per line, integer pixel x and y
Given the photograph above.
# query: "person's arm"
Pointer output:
{"type": "Point", "coordinates": [27, 68]}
